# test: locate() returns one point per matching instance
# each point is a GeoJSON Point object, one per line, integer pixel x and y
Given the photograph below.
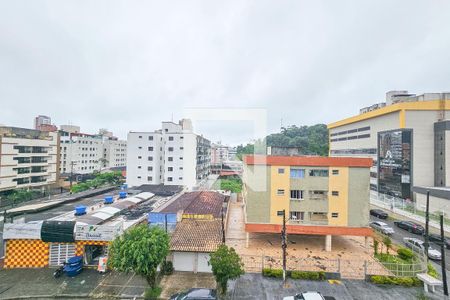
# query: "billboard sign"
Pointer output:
{"type": "Point", "coordinates": [394, 163]}
{"type": "Point", "coordinates": [98, 232]}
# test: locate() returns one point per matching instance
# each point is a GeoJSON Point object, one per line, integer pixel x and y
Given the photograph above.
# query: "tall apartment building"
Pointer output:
{"type": "Point", "coordinates": [405, 136]}
{"type": "Point", "coordinates": [173, 155]}
{"type": "Point", "coordinates": [114, 152]}
{"type": "Point", "coordinates": [320, 195]}
{"type": "Point", "coordinates": [28, 158]}
{"type": "Point", "coordinates": [80, 153]}
{"type": "Point", "coordinates": [44, 123]}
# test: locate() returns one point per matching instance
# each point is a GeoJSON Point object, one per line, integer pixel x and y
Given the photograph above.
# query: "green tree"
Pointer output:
{"type": "Point", "coordinates": [226, 264]}
{"type": "Point", "coordinates": [233, 184]}
{"type": "Point", "coordinates": [387, 241]}
{"type": "Point", "coordinates": [140, 249]}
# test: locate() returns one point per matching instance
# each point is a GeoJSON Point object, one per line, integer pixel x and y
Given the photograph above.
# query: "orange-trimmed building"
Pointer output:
{"type": "Point", "coordinates": [320, 195]}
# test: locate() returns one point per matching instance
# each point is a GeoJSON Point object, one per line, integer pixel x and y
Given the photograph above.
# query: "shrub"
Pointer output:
{"type": "Point", "coordinates": [432, 271]}
{"type": "Point", "coordinates": [152, 293]}
{"type": "Point", "coordinates": [375, 246]}
{"type": "Point", "coordinates": [167, 268]}
{"type": "Point", "coordinates": [308, 275]}
{"type": "Point", "coordinates": [404, 281]}
{"type": "Point", "coordinates": [277, 273]}
{"type": "Point", "coordinates": [405, 254]}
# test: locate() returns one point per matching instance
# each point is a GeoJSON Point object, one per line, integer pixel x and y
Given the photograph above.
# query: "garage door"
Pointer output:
{"type": "Point", "coordinates": [202, 263]}
{"type": "Point", "coordinates": [184, 261]}
{"type": "Point", "coordinates": [59, 253]}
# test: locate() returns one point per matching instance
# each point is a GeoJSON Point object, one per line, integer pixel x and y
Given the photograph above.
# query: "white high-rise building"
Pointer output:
{"type": "Point", "coordinates": [173, 155]}
{"type": "Point", "coordinates": [28, 158]}
{"type": "Point", "coordinates": [114, 153]}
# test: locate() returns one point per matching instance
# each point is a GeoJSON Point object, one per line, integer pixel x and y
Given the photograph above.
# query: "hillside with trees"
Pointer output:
{"type": "Point", "coordinates": [313, 140]}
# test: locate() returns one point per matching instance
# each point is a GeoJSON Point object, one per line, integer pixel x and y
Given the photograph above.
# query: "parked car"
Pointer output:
{"type": "Point", "coordinates": [419, 246]}
{"type": "Point", "coordinates": [382, 227]}
{"type": "Point", "coordinates": [410, 226]}
{"type": "Point", "coordinates": [306, 296]}
{"type": "Point", "coordinates": [196, 294]}
{"type": "Point", "coordinates": [436, 238]}
{"type": "Point", "coordinates": [379, 213]}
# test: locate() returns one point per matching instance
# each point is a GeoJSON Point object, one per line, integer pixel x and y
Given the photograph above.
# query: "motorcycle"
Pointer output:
{"type": "Point", "coordinates": [58, 272]}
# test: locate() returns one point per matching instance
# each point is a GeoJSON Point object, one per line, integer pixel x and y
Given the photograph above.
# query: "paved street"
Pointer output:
{"type": "Point", "coordinates": [254, 286]}
{"type": "Point", "coordinates": [398, 236]}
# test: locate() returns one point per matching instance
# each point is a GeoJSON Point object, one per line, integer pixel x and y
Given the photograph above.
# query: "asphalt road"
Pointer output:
{"type": "Point", "coordinates": [398, 236]}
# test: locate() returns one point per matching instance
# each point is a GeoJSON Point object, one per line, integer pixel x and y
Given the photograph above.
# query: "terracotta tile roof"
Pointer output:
{"type": "Point", "coordinates": [196, 236]}
{"type": "Point", "coordinates": [199, 203]}
{"type": "Point", "coordinates": [313, 161]}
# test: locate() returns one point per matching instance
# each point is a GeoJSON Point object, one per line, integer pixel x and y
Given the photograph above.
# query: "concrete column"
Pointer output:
{"type": "Point", "coordinates": [328, 243]}
{"type": "Point", "coordinates": [247, 237]}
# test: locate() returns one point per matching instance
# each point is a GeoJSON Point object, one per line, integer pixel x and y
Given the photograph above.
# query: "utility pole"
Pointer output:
{"type": "Point", "coordinates": [427, 220]}
{"type": "Point", "coordinates": [444, 271]}
{"type": "Point", "coordinates": [284, 246]}
{"type": "Point", "coordinates": [223, 225]}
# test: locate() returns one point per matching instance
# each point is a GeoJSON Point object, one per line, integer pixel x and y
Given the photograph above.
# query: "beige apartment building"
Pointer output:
{"type": "Point", "coordinates": [28, 158]}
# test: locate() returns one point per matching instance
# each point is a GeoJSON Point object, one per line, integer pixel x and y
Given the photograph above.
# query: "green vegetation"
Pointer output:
{"type": "Point", "coordinates": [167, 268]}
{"type": "Point", "coordinates": [387, 241]}
{"type": "Point", "coordinates": [226, 264]}
{"type": "Point", "coordinates": [140, 249]}
{"type": "Point", "coordinates": [405, 254]}
{"type": "Point", "coordinates": [305, 275]}
{"type": "Point", "coordinates": [276, 273]}
{"type": "Point", "coordinates": [433, 215]}
{"type": "Point", "coordinates": [109, 178]}
{"type": "Point", "coordinates": [308, 275]}
{"type": "Point", "coordinates": [375, 246]}
{"type": "Point", "coordinates": [233, 184]}
{"type": "Point", "coordinates": [405, 281]}
{"type": "Point", "coordinates": [20, 195]}
{"type": "Point", "coordinates": [313, 140]}
{"type": "Point", "coordinates": [432, 271]}
{"type": "Point", "coordinates": [152, 293]}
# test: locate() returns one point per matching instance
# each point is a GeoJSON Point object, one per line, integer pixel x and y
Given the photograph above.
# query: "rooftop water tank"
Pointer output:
{"type": "Point", "coordinates": [122, 195]}
{"type": "Point", "coordinates": [80, 210]}
{"type": "Point", "coordinates": [109, 200]}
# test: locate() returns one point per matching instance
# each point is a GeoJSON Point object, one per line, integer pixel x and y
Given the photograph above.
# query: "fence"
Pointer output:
{"type": "Point", "coordinates": [347, 268]}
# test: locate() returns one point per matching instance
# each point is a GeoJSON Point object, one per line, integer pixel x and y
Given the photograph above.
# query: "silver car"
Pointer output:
{"type": "Point", "coordinates": [382, 227]}
{"type": "Point", "coordinates": [419, 246]}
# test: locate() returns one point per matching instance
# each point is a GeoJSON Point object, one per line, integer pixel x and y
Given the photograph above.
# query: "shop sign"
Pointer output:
{"type": "Point", "coordinates": [30, 231]}
{"type": "Point", "coordinates": [97, 232]}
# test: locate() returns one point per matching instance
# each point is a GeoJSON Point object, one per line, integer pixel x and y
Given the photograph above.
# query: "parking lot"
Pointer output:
{"type": "Point", "coordinates": [254, 286]}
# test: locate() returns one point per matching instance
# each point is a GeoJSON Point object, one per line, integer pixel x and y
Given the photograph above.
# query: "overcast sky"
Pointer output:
{"type": "Point", "coordinates": [128, 65]}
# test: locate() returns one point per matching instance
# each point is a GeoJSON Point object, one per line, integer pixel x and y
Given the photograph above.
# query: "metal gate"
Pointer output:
{"type": "Point", "coordinates": [59, 253]}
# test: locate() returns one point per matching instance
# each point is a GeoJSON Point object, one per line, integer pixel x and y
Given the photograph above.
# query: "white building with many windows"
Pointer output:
{"type": "Point", "coordinates": [114, 153]}
{"type": "Point", "coordinates": [173, 155]}
{"type": "Point", "coordinates": [28, 158]}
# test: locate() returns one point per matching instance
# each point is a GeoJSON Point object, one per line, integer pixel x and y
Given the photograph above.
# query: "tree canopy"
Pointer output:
{"type": "Point", "coordinates": [140, 249]}
{"type": "Point", "coordinates": [226, 264]}
{"type": "Point", "coordinates": [313, 140]}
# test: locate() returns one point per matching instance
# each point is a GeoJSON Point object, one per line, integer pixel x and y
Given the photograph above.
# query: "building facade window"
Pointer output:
{"type": "Point", "coordinates": [334, 193]}
{"type": "Point", "coordinates": [297, 194]}
{"type": "Point", "coordinates": [335, 215]}
{"type": "Point", "coordinates": [318, 173]}
{"type": "Point", "coordinates": [280, 170]}
{"type": "Point", "coordinates": [150, 138]}
{"type": "Point", "coordinates": [335, 172]}
{"type": "Point", "coordinates": [170, 138]}
{"type": "Point", "coordinates": [170, 149]}
{"type": "Point", "coordinates": [297, 173]}
{"type": "Point", "coordinates": [170, 158]}
{"type": "Point", "coordinates": [170, 169]}
{"type": "Point", "coordinates": [149, 178]}
{"type": "Point", "coordinates": [149, 168]}
{"type": "Point", "coordinates": [169, 179]}
{"type": "Point", "coordinates": [150, 158]}
{"type": "Point", "coordinates": [150, 148]}
{"type": "Point", "coordinates": [280, 192]}
{"type": "Point", "coordinates": [297, 215]}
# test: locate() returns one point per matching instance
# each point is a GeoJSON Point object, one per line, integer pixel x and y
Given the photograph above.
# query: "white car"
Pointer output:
{"type": "Point", "coordinates": [419, 246]}
{"type": "Point", "coordinates": [382, 227]}
{"type": "Point", "coordinates": [306, 296]}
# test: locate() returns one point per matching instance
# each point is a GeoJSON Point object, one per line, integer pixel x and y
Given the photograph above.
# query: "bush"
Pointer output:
{"type": "Point", "coordinates": [405, 254]}
{"type": "Point", "coordinates": [277, 273]}
{"type": "Point", "coordinates": [167, 268]}
{"type": "Point", "coordinates": [152, 293]}
{"type": "Point", "coordinates": [432, 271]}
{"type": "Point", "coordinates": [404, 281]}
{"type": "Point", "coordinates": [308, 275]}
